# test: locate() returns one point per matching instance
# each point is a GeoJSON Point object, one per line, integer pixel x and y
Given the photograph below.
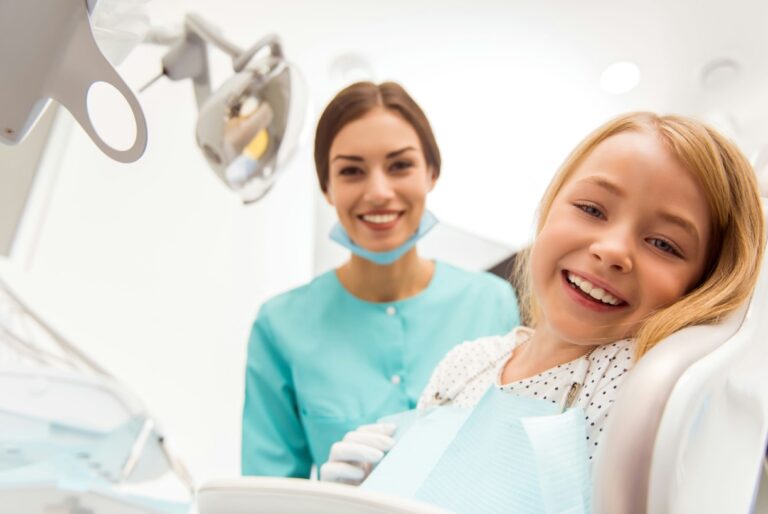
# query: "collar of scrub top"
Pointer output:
{"type": "Point", "coordinates": [339, 235]}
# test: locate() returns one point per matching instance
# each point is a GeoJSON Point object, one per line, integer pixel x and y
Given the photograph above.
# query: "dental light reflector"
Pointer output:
{"type": "Point", "coordinates": [250, 126]}
{"type": "Point", "coordinates": [246, 128]}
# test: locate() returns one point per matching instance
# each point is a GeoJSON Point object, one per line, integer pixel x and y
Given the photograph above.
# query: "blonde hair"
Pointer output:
{"type": "Point", "coordinates": [738, 235]}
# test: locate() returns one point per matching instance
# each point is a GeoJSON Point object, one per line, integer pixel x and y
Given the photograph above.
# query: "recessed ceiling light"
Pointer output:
{"type": "Point", "coordinates": [351, 67]}
{"type": "Point", "coordinates": [719, 73]}
{"type": "Point", "coordinates": [620, 77]}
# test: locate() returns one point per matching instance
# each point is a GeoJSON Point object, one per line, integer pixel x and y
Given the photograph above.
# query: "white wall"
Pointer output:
{"type": "Point", "coordinates": [156, 270]}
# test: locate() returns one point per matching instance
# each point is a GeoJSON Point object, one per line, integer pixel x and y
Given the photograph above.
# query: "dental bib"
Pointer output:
{"type": "Point", "coordinates": [339, 235]}
{"type": "Point", "coordinates": [508, 454]}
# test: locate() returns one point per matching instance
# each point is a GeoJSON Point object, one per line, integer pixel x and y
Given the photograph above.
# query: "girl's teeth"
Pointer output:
{"type": "Point", "coordinates": [595, 292]}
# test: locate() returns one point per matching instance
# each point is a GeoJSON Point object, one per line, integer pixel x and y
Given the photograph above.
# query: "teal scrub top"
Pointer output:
{"type": "Point", "coordinates": [321, 361]}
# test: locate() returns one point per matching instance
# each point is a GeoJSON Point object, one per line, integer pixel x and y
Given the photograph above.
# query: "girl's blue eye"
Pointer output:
{"type": "Point", "coordinates": [591, 210]}
{"type": "Point", "coordinates": [665, 246]}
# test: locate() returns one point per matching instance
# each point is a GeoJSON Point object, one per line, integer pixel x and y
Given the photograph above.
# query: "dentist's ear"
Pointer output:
{"type": "Point", "coordinates": [328, 194]}
{"type": "Point", "coordinates": [431, 177]}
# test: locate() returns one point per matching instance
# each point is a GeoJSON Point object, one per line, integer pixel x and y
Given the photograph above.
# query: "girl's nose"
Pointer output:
{"type": "Point", "coordinates": [614, 250]}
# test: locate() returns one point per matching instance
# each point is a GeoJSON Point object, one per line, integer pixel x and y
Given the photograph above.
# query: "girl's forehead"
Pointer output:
{"type": "Point", "coordinates": [627, 153]}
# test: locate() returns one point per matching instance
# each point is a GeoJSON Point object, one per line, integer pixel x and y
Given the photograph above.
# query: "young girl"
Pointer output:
{"type": "Point", "coordinates": [652, 224]}
{"type": "Point", "coordinates": [360, 342]}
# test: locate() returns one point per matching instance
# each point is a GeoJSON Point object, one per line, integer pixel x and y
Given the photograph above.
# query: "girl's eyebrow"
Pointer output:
{"type": "Point", "coordinates": [605, 184]}
{"type": "Point", "coordinates": [681, 222]}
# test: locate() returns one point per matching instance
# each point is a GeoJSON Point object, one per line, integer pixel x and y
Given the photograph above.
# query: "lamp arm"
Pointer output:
{"type": "Point", "coordinates": [188, 58]}
{"type": "Point", "coordinates": [210, 34]}
{"type": "Point", "coordinates": [272, 41]}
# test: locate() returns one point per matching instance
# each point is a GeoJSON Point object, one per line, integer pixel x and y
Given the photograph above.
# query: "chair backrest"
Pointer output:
{"type": "Point", "coordinates": [688, 431]}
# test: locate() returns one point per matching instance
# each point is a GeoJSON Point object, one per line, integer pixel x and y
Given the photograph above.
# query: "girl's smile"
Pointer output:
{"type": "Point", "coordinates": [592, 293]}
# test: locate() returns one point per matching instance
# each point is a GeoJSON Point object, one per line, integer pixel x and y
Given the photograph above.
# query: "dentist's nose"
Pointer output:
{"type": "Point", "coordinates": [378, 189]}
{"type": "Point", "coordinates": [615, 250]}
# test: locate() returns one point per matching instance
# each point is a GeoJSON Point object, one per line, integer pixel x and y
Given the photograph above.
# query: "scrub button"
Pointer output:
{"type": "Point", "coordinates": [395, 379]}
{"type": "Point", "coordinates": [391, 310]}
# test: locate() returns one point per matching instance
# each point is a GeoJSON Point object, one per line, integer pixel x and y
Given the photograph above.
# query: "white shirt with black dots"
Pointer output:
{"type": "Point", "coordinates": [469, 369]}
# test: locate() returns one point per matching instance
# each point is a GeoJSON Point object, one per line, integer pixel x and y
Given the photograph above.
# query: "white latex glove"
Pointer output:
{"type": "Point", "coordinates": [351, 459]}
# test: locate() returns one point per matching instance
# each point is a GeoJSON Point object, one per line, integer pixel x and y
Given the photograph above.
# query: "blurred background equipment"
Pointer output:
{"type": "Point", "coordinates": [72, 437]}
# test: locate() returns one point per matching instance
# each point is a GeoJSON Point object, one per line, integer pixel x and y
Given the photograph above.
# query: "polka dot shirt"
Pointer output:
{"type": "Point", "coordinates": [463, 376]}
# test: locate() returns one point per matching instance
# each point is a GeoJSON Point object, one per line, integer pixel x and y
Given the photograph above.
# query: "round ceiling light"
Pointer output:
{"type": "Point", "coordinates": [720, 73]}
{"type": "Point", "coordinates": [351, 67]}
{"type": "Point", "coordinates": [620, 77]}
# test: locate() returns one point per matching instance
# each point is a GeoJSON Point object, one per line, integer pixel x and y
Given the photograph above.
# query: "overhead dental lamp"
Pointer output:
{"type": "Point", "coordinates": [249, 127]}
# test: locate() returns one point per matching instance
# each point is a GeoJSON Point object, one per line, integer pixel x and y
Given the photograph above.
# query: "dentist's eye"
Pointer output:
{"type": "Point", "coordinates": [591, 210]}
{"type": "Point", "coordinates": [401, 165]}
{"type": "Point", "coordinates": [665, 246]}
{"type": "Point", "coordinates": [350, 171]}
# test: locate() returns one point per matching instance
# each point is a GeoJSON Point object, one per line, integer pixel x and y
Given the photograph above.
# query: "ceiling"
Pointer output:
{"type": "Point", "coordinates": [510, 86]}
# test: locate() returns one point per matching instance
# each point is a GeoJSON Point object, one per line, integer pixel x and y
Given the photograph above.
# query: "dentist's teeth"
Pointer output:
{"type": "Point", "coordinates": [379, 218]}
{"type": "Point", "coordinates": [592, 290]}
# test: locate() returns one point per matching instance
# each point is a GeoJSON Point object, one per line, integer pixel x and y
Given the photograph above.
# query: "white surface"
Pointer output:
{"type": "Point", "coordinates": [711, 442]}
{"type": "Point", "coordinates": [256, 495]}
{"type": "Point", "coordinates": [157, 271]}
{"type": "Point", "coordinates": [692, 418]}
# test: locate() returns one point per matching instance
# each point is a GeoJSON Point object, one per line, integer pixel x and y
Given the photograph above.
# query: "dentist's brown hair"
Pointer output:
{"type": "Point", "coordinates": [357, 100]}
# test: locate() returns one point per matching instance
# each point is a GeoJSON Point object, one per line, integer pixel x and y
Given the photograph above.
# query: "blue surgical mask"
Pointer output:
{"type": "Point", "coordinates": [338, 234]}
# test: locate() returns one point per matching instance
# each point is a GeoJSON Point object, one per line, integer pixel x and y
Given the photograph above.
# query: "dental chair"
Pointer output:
{"type": "Point", "coordinates": [688, 431]}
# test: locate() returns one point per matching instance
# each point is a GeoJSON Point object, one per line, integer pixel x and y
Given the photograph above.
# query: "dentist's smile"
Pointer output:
{"type": "Point", "coordinates": [380, 220]}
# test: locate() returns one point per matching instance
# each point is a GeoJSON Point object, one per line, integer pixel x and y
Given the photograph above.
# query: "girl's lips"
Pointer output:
{"type": "Point", "coordinates": [599, 283]}
{"type": "Point", "coordinates": [583, 299]}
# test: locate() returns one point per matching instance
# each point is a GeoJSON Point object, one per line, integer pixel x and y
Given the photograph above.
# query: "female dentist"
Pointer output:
{"type": "Point", "coordinates": [359, 342]}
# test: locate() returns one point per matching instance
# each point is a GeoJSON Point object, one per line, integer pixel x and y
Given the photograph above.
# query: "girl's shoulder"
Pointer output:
{"type": "Point", "coordinates": [476, 355]}
{"type": "Point", "coordinates": [609, 364]}
{"type": "Point", "coordinates": [619, 353]}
